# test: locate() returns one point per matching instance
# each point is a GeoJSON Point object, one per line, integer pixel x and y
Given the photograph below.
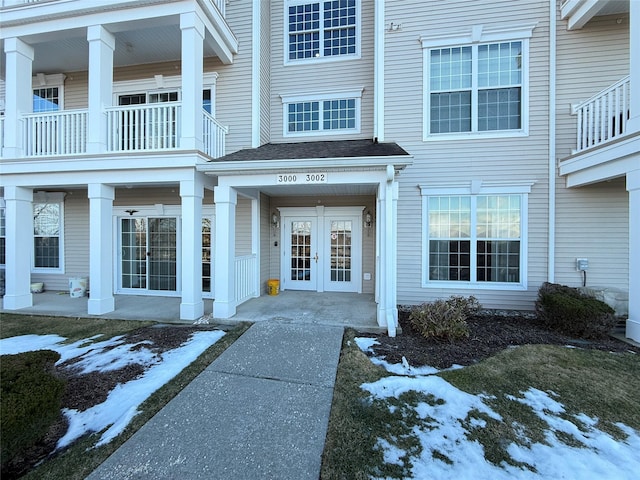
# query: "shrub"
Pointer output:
{"type": "Point", "coordinates": [570, 312]}
{"type": "Point", "coordinates": [444, 319]}
{"type": "Point", "coordinates": [30, 397]}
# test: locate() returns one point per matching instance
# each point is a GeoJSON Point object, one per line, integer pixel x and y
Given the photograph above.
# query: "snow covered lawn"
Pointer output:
{"type": "Point", "coordinates": [92, 355]}
{"type": "Point", "coordinates": [443, 424]}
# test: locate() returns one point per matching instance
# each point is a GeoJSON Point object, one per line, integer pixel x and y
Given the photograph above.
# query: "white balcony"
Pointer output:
{"type": "Point", "coordinates": [603, 118]}
{"type": "Point", "coordinates": [129, 129]}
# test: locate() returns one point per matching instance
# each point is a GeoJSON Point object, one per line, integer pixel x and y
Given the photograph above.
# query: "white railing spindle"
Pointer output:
{"type": "Point", "coordinates": [213, 136]}
{"type": "Point", "coordinates": [603, 117]}
{"type": "Point", "coordinates": [55, 133]}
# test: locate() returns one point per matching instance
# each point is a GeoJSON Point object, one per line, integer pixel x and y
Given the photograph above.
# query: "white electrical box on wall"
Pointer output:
{"type": "Point", "coordinates": [582, 264]}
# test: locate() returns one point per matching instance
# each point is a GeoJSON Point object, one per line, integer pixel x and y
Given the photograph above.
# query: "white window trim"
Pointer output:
{"type": "Point", "coordinates": [320, 97]}
{"type": "Point", "coordinates": [40, 80]}
{"type": "Point", "coordinates": [476, 188]}
{"type": "Point", "coordinates": [321, 59]}
{"type": "Point", "coordinates": [58, 198]}
{"type": "Point", "coordinates": [476, 35]}
{"type": "Point", "coordinates": [160, 84]}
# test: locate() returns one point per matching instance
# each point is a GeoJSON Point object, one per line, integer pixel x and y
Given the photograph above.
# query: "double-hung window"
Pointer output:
{"type": "Point", "coordinates": [325, 29]}
{"type": "Point", "coordinates": [476, 239]}
{"type": "Point", "coordinates": [477, 88]}
{"type": "Point", "coordinates": [48, 216]}
{"type": "Point", "coordinates": [322, 114]}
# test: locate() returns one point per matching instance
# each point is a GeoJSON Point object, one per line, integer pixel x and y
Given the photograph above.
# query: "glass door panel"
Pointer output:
{"type": "Point", "coordinates": [149, 253]}
{"type": "Point", "coordinates": [162, 254]}
{"type": "Point", "coordinates": [340, 251]}
{"type": "Point", "coordinates": [302, 252]}
{"type": "Point", "coordinates": [134, 253]}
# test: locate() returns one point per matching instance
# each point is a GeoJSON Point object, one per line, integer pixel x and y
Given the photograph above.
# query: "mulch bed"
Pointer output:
{"type": "Point", "coordinates": [489, 334]}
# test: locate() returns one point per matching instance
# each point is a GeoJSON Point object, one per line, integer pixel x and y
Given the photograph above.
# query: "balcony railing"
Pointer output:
{"type": "Point", "coordinates": [55, 133]}
{"type": "Point", "coordinates": [135, 128]}
{"type": "Point", "coordinates": [143, 127]}
{"type": "Point", "coordinates": [246, 268]}
{"type": "Point", "coordinates": [603, 117]}
{"type": "Point", "coordinates": [213, 136]}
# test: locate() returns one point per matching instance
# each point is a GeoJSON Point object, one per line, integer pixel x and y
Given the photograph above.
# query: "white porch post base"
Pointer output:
{"type": "Point", "coordinates": [98, 306]}
{"type": "Point", "coordinates": [223, 309]}
{"type": "Point", "coordinates": [16, 302]}
{"type": "Point", "coordinates": [633, 330]}
{"type": "Point", "coordinates": [191, 311]}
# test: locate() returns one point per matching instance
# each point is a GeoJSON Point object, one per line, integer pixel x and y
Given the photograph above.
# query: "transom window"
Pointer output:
{"type": "Point", "coordinates": [322, 29]}
{"type": "Point", "coordinates": [320, 116]}
{"type": "Point", "coordinates": [475, 239]}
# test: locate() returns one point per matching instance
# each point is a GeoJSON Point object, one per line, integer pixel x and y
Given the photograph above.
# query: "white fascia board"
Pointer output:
{"type": "Point", "coordinates": [585, 11]}
{"type": "Point", "coordinates": [168, 176]}
{"type": "Point", "coordinates": [601, 156]}
{"type": "Point", "coordinates": [249, 166]}
{"type": "Point", "coordinates": [100, 163]}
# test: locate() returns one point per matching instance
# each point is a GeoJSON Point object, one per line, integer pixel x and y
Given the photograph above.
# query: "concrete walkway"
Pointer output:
{"type": "Point", "coordinates": [259, 411]}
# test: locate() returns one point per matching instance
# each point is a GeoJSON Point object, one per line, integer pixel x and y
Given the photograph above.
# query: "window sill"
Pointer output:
{"type": "Point", "coordinates": [448, 137]}
{"type": "Point", "coordinates": [321, 60]}
{"type": "Point", "coordinates": [441, 285]}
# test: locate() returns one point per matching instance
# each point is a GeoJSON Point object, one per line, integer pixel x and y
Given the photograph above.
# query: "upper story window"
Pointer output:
{"type": "Point", "coordinates": [479, 87]}
{"type": "Point", "coordinates": [326, 29]}
{"type": "Point", "coordinates": [332, 113]}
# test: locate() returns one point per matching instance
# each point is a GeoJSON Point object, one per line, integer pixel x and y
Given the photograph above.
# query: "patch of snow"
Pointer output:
{"type": "Point", "coordinates": [365, 343]}
{"type": "Point", "coordinates": [123, 401]}
{"type": "Point", "coordinates": [113, 415]}
{"type": "Point", "coordinates": [449, 453]}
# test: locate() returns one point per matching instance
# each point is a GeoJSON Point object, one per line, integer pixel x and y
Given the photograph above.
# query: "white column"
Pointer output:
{"type": "Point", "coordinates": [19, 246]}
{"type": "Point", "coordinates": [192, 193]}
{"type": "Point", "coordinates": [101, 47]}
{"type": "Point", "coordinates": [192, 66]}
{"type": "Point", "coordinates": [101, 249]}
{"type": "Point", "coordinates": [18, 94]}
{"type": "Point", "coordinates": [634, 66]}
{"type": "Point", "coordinates": [633, 187]}
{"type": "Point", "coordinates": [387, 214]}
{"type": "Point", "coordinates": [226, 199]}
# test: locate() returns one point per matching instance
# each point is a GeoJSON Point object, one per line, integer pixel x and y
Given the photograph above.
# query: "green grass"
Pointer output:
{"type": "Point", "coordinates": [599, 384]}
{"type": "Point", "coordinates": [12, 325]}
{"type": "Point", "coordinates": [81, 458]}
{"type": "Point", "coordinates": [602, 385]}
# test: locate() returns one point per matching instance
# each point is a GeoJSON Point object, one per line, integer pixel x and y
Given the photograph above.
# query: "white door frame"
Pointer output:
{"type": "Point", "coordinates": [320, 216]}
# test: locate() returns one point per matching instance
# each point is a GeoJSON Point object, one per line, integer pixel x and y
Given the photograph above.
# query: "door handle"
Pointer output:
{"type": "Point", "coordinates": [316, 257]}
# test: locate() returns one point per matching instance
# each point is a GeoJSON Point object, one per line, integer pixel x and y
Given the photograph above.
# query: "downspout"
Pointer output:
{"type": "Point", "coordinates": [378, 72]}
{"type": "Point", "coordinates": [255, 75]}
{"type": "Point", "coordinates": [551, 263]}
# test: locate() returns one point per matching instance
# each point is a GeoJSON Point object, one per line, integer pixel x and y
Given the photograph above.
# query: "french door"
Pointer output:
{"type": "Point", "coordinates": [322, 249]}
{"type": "Point", "coordinates": [148, 254]}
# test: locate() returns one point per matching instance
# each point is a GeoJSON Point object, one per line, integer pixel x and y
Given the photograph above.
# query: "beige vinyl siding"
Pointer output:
{"type": "Point", "coordinates": [266, 243]}
{"type": "Point", "coordinates": [243, 227]}
{"type": "Point", "coordinates": [323, 77]}
{"type": "Point", "coordinates": [457, 161]}
{"type": "Point", "coordinates": [76, 243]}
{"type": "Point", "coordinates": [233, 99]}
{"type": "Point", "coordinates": [593, 221]}
{"type": "Point", "coordinates": [265, 73]}
{"type": "Point", "coordinates": [368, 238]}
